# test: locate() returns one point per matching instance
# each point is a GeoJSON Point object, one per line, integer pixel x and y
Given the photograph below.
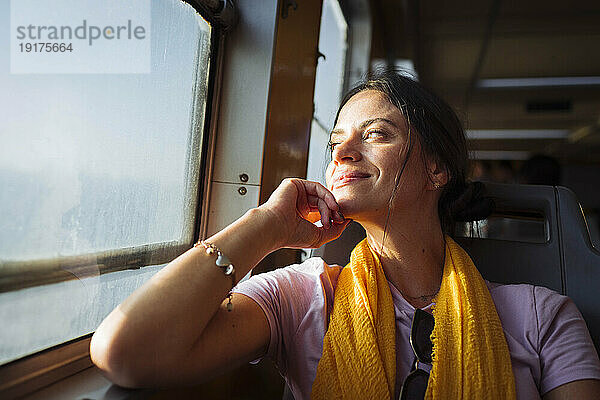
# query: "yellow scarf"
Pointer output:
{"type": "Point", "coordinates": [470, 354]}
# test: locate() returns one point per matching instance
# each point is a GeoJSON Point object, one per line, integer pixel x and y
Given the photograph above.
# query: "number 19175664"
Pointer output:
{"type": "Point", "coordinates": [39, 47]}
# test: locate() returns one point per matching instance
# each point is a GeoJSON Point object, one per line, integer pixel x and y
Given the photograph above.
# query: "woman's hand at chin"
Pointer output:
{"type": "Point", "coordinates": [295, 205]}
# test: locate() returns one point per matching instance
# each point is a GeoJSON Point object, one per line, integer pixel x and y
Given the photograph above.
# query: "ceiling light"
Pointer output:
{"type": "Point", "coordinates": [404, 65]}
{"type": "Point", "coordinates": [517, 133]}
{"type": "Point", "coordinates": [499, 155]}
{"type": "Point", "coordinates": [539, 82]}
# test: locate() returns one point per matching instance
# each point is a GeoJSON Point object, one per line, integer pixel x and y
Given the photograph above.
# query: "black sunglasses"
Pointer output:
{"type": "Point", "coordinates": [415, 384]}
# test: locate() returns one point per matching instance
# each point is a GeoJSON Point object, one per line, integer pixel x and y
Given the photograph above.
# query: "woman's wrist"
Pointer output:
{"type": "Point", "coordinates": [270, 226]}
{"type": "Point", "coordinates": [249, 239]}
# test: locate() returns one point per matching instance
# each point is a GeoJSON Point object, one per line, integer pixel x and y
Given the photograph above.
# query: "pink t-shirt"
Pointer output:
{"type": "Point", "coordinates": [547, 337]}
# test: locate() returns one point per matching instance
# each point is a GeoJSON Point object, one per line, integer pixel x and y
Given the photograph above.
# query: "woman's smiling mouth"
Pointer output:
{"type": "Point", "coordinates": [344, 178]}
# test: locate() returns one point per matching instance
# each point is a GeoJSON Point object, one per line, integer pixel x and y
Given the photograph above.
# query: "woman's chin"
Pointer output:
{"type": "Point", "coordinates": [357, 208]}
{"type": "Point", "coordinates": [350, 207]}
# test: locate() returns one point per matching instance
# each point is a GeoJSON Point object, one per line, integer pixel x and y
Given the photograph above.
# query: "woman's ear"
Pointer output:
{"type": "Point", "coordinates": [438, 174]}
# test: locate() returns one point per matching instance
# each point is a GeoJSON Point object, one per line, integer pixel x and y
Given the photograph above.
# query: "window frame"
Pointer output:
{"type": "Point", "coordinates": [32, 372]}
{"type": "Point", "coordinates": [23, 376]}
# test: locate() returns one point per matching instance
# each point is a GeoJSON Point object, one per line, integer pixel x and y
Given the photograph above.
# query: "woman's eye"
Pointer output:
{"type": "Point", "coordinates": [374, 134]}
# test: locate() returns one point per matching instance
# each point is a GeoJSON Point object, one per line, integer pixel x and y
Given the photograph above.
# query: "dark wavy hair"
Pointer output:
{"type": "Point", "coordinates": [442, 138]}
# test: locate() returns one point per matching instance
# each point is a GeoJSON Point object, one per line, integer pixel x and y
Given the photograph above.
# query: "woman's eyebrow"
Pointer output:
{"type": "Point", "coordinates": [368, 122]}
{"type": "Point", "coordinates": [363, 125]}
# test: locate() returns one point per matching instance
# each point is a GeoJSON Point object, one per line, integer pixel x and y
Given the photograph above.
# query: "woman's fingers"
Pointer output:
{"type": "Point", "coordinates": [318, 197]}
{"type": "Point", "coordinates": [302, 201]}
{"type": "Point", "coordinates": [316, 189]}
{"type": "Point", "coordinates": [298, 204]}
{"type": "Point", "coordinates": [326, 214]}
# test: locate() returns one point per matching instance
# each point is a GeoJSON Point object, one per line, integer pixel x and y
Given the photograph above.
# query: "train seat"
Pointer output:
{"type": "Point", "coordinates": [537, 235]}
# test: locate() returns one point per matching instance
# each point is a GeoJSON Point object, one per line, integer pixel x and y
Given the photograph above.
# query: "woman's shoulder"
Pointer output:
{"type": "Point", "coordinates": [314, 266]}
{"type": "Point", "coordinates": [538, 316]}
{"type": "Point", "coordinates": [523, 298]}
{"type": "Point", "coordinates": [313, 270]}
{"type": "Point", "coordinates": [518, 291]}
{"type": "Point", "coordinates": [525, 306]}
{"type": "Point", "coordinates": [545, 333]}
{"type": "Point", "coordinates": [544, 325]}
{"type": "Point", "coordinates": [305, 281]}
{"type": "Point", "coordinates": [532, 316]}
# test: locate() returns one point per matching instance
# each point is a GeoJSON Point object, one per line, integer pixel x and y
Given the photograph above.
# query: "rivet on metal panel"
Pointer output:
{"type": "Point", "coordinates": [242, 190]}
{"type": "Point", "coordinates": [244, 177]}
{"type": "Point", "coordinates": [286, 5]}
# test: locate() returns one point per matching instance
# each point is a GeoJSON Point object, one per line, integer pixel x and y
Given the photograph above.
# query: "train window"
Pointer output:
{"type": "Point", "coordinates": [100, 173]}
{"type": "Point", "coordinates": [525, 227]}
{"type": "Point", "coordinates": [329, 81]}
{"type": "Point", "coordinates": [330, 70]}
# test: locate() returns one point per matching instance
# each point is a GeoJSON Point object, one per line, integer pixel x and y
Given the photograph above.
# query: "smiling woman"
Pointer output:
{"type": "Point", "coordinates": [398, 168]}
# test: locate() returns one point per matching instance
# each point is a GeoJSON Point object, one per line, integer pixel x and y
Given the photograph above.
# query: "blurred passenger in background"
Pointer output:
{"type": "Point", "coordinates": [480, 170]}
{"type": "Point", "coordinates": [502, 172]}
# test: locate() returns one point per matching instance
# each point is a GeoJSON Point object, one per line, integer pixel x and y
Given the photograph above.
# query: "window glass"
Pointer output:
{"type": "Point", "coordinates": [92, 162]}
{"type": "Point", "coordinates": [329, 82]}
{"type": "Point", "coordinates": [592, 220]}
{"type": "Point", "coordinates": [528, 228]}
{"type": "Point", "coordinates": [97, 162]}
{"type": "Point", "coordinates": [329, 79]}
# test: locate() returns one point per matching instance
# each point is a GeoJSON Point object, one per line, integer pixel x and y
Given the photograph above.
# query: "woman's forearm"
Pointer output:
{"type": "Point", "coordinates": [160, 322]}
{"type": "Point", "coordinates": [156, 328]}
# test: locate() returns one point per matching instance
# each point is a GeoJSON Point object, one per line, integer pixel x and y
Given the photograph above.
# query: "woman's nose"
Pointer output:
{"type": "Point", "coordinates": [346, 151]}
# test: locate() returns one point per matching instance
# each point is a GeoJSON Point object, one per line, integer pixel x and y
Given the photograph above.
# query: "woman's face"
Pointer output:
{"type": "Point", "coordinates": [369, 144]}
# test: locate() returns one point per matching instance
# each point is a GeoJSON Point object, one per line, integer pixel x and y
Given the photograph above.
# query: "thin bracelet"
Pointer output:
{"type": "Point", "coordinates": [221, 262]}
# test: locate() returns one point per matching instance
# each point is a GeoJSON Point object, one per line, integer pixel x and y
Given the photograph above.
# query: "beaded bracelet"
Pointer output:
{"type": "Point", "coordinates": [221, 262]}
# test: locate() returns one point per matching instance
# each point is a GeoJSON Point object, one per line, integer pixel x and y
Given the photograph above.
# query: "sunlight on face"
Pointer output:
{"type": "Point", "coordinates": [369, 144]}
